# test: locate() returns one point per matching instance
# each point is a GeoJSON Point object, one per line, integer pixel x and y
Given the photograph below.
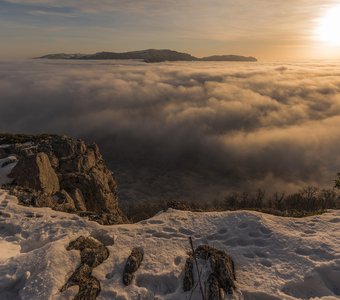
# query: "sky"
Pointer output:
{"type": "Point", "coordinates": [267, 29]}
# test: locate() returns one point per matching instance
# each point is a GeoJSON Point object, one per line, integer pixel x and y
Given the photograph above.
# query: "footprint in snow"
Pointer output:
{"type": "Point", "coordinates": [265, 262]}
{"type": "Point", "coordinates": [4, 203]}
{"type": "Point", "coordinates": [165, 235]}
{"type": "Point", "coordinates": [5, 215]}
{"type": "Point", "coordinates": [243, 225]}
{"type": "Point", "coordinates": [213, 237]}
{"type": "Point", "coordinates": [234, 242]}
{"type": "Point", "coordinates": [309, 231]}
{"type": "Point", "coordinates": [260, 242]}
{"type": "Point", "coordinates": [222, 231]}
{"type": "Point", "coordinates": [260, 254]}
{"type": "Point", "coordinates": [150, 231]}
{"type": "Point", "coordinates": [315, 254]}
{"type": "Point", "coordinates": [254, 234]}
{"type": "Point", "coordinates": [169, 229]}
{"type": "Point", "coordinates": [265, 230]}
{"type": "Point", "coordinates": [249, 255]}
{"type": "Point", "coordinates": [186, 231]}
{"type": "Point", "coordinates": [155, 222]}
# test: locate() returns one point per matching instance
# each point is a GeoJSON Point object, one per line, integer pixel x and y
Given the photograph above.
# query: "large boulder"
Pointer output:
{"type": "Point", "coordinates": [35, 172]}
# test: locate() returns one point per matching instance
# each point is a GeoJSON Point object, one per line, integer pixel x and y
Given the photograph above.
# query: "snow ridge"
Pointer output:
{"type": "Point", "coordinates": [275, 257]}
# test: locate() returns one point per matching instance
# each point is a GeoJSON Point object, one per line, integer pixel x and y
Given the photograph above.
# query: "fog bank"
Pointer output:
{"type": "Point", "coordinates": [192, 130]}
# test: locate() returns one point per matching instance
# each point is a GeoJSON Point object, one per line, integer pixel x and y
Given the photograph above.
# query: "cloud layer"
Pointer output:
{"type": "Point", "coordinates": [188, 130]}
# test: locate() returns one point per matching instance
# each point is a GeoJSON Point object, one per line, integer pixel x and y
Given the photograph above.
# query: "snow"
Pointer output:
{"type": "Point", "coordinates": [8, 250]}
{"type": "Point", "coordinates": [6, 166]}
{"type": "Point", "coordinates": [275, 257]}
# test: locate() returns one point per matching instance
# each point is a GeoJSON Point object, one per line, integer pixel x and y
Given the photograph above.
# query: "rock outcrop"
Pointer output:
{"type": "Point", "coordinates": [62, 173]}
{"type": "Point", "coordinates": [35, 172]}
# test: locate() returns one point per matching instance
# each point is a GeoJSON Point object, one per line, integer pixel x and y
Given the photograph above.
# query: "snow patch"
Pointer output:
{"type": "Point", "coordinates": [8, 250]}
{"type": "Point", "coordinates": [6, 166]}
{"type": "Point", "coordinates": [275, 258]}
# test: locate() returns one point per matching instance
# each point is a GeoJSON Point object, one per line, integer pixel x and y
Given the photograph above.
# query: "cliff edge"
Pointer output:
{"type": "Point", "coordinates": [60, 172]}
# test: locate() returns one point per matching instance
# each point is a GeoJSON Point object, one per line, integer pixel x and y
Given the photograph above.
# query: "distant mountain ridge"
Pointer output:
{"type": "Point", "coordinates": [149, 56]}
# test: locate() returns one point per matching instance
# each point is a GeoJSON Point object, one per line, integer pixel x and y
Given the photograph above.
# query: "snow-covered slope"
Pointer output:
{"type": "Point", "coordinates": [276, 258]}
{"type": "Point", "coordinates": [6, 166]}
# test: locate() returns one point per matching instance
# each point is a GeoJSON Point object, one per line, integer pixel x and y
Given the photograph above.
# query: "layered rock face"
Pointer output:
{"type": "Point", "coordinates": [62, 173]}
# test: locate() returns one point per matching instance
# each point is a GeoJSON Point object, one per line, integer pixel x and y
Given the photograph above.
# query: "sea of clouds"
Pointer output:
{"type": "Point", "coordinates": [191, 130]}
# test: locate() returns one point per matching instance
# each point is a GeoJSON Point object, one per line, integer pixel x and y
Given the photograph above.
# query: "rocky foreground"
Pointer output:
{"type": "Point", "coordinates": [46, 254]}
{"type": "Point", "coordinates": [62, 173]}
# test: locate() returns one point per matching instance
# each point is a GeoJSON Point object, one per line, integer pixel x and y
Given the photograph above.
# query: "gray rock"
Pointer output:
{"type": "Point", "coordinates": [222, 275]}
{"type": "Point", "coordinates": [92, 254]}
{"type": "Point", "coordinates": [132, 264]}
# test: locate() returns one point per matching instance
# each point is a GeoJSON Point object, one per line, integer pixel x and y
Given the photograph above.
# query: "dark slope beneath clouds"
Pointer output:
{"type": "Point", "coordinates": [187, 130]}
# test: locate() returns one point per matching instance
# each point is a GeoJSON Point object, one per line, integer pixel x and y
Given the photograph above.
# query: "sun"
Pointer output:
{"type": "Point", "coordinates": [328, 29]}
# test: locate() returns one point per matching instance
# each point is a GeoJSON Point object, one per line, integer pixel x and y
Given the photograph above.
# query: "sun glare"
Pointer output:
{"type": "Point", "coordinates": [328, 29]}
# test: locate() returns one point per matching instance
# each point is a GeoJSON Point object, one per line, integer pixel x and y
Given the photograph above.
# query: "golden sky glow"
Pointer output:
{"type": "Point", "coordinates": [267, 29]}
{"type": "Point", "coordinates": [328, 29]}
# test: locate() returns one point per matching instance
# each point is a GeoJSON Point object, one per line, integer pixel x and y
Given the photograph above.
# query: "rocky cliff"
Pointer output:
{"type": "Point", "coordinates": [62, 173]}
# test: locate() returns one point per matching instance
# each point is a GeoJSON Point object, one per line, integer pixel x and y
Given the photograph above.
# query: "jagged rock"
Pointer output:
{"type": "Point", "coordinates": [35, 172]}
{"type": "Point", "coordinates": [68, 175]}
{"type": "Point", "coordinates": [64, 201]}
{"type": "Point", "coordinates": [188, 280]}
{"type": "Point", "coordinates": [89, 286]}
{"type": "Point", "coordinates": [132, 264]}
{"type": "Point", "coordinates": [78, 199]}
{"type": "Point", "coordinates": [223, 270]}
{"type": "Point", "coordinates": [89, 290]}
{"type": "Point", "coordinates": [92, 254]}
